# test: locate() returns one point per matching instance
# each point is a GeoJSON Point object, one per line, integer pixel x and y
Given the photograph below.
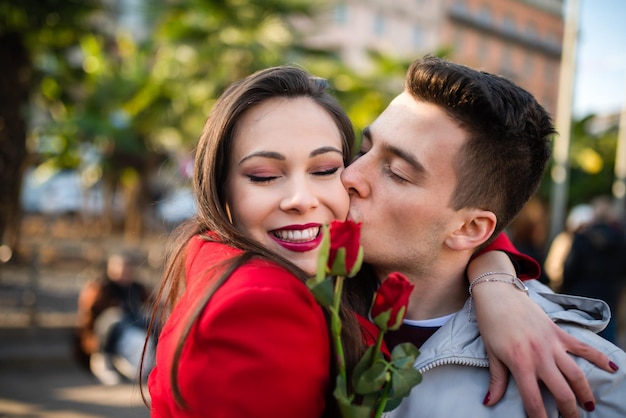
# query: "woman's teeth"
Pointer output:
{"type": "Point", "coordinates": [302, 235]}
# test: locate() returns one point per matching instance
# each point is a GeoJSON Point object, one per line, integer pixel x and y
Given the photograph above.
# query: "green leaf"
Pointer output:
{"type": "Point", "coordinates": [372, 379]}
{"type": "Point", "coordinates": [364, 363]}
{"type": "Point", "coordinates": [341, 391]}
{"type": "Point", "coordinates": [371, 400]}
{"type": "Point", "coordinates": [323, 291]}
{"type": "Point", "coordinates": [392, 403]}
{"type": "Point", "coordinates": [403, 380]}
{"type": "Point", "coordinates": [349, 410]}
{"type": "Point", "coordinates": [403, 356]}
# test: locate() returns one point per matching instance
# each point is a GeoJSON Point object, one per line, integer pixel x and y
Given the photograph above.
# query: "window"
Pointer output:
{"type": "Point", "coordinates": [508, 23]}
{"type": "Point", "coordinates": [507, 58]}
{"type": "Point", "coordinates": [550, 73]}
{"type": "Point", "coordinates": [552, 38]}
{"type": "Point", "coordinates": [484, 14]}
{"type": "Point", "coordinates": [458, 41]}
{"type": "Point", "coordinates": [379, 24]}
{"type": "Point", "coordinates": [531, 30]}
{"type": "Point", "coordinates": [341, 14]}
{"type": "Point", "coordinates": [483, 49]}
{"type": "Point", "coordinates": [418, 37]}
{"type": "Point", "coordinates": [529, 64]}
{"type": "Point", "coordinates": [460, 6]}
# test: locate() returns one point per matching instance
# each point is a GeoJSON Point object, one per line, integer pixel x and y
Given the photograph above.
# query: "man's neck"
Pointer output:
{"type": "Point", "coordinates": [433, 301]}
{"type": "Point", "coordinates": [440, 288]}
{"type": "Point", "coordinates": [438, 292]}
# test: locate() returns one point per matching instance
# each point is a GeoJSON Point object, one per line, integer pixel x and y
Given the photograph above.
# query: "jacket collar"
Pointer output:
{"type": "Point", "coordinates": [459, 342]}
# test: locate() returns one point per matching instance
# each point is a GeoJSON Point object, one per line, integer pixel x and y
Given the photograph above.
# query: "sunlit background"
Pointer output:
{"type": "Point", "coordinates": [103, 100]}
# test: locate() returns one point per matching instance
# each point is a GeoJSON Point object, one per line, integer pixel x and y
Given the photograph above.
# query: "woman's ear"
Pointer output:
{"type": "Point", "coordinates": [477, 227]}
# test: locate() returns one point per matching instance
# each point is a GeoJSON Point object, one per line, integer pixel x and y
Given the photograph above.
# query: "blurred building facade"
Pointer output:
{"type": "Point", "coordinates": [519, 39]}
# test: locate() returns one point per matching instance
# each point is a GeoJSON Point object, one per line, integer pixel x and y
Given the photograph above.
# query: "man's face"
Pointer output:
{"type": "Point", "coordinates": [400, 187]}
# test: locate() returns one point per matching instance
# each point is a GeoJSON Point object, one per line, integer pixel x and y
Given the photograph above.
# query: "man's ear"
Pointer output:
{"type": "Point", "coordinates": [476, 228]}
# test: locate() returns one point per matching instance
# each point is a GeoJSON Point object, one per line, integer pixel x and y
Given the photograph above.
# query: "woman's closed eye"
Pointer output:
{"type": "Point", "coordinates": [326, 172]}
{"type": "Point", "coordinates": [261, 179]}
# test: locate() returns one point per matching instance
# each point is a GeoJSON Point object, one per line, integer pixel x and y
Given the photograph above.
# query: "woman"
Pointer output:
{"type": "Point", "coordinates": [244, 336]}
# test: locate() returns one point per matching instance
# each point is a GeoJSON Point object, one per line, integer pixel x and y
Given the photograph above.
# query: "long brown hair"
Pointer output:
{"type": "Point", "coordinates": [212, 157]}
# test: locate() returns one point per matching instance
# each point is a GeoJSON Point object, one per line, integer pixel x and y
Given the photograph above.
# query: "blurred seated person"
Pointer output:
{"type": "Point", "coordinates": [112, 322]}
{"type": "Point", "coordinates": [596, 264]}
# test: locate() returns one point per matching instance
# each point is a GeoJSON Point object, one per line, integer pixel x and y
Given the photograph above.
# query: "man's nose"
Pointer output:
{"type": "Point", "coordinates": [354, 177]}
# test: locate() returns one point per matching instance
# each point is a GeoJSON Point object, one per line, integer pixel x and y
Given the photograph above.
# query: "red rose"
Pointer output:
{"type": "Point", "coordinates": [346, 254]}
{"type": "Point", "coordinates": [391, 301]}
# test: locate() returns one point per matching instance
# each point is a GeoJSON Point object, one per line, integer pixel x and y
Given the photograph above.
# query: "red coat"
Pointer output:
{"type": "Point", "coordinates": [261, 348]}
{"type": "Point", "coordinates": [528, 267]}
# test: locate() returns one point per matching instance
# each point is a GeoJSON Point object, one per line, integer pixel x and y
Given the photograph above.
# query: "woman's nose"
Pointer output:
{"type": "Point", "coordinates": [301, 196]}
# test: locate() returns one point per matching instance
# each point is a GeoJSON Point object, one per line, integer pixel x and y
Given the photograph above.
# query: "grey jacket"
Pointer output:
{"type": "Point", "coordinates": [456, 375]}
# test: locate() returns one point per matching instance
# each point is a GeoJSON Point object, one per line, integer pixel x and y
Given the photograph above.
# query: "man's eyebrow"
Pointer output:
{"type": "Point", "coordinates": [408, 158]}
{"type": "Point", "coordinates": [400, 153]}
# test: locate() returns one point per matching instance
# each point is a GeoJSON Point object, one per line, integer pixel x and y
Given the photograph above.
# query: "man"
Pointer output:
{"type": "Point", "coordinates": [445, 168]}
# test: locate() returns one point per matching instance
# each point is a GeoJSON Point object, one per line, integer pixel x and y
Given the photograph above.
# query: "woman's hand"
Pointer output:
{"type": "Point", "coordinates": [519, 336]}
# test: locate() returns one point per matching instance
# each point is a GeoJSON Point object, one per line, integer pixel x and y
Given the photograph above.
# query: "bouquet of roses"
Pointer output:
{"type": "Point", "coordinates": [378, 382]}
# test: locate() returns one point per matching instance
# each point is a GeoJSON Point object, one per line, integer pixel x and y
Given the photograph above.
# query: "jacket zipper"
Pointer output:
{"type": "Point", "coordinates": [454, 361]}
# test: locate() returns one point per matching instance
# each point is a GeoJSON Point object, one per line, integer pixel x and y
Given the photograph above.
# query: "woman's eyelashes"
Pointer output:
{"type": "Point", "coordinates": [260, 179]}
{"type": "Point", "coordinates": [318, 172]}
{"type": "Point", "coordinates": [327, 172]}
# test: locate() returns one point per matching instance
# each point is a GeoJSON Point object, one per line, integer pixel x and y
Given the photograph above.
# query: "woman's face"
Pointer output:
{"type": "Point", "coordinates": [284, 177]}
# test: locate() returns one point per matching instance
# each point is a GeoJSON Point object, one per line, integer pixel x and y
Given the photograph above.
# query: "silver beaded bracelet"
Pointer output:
{"type": "Point", "coordinates": [512, 279]}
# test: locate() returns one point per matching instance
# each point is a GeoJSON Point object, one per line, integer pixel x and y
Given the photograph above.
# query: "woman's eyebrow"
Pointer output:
{"type": "Point", "coordinates": [263, 154]}
{"type": "Point", "coordinates": [324, 150]}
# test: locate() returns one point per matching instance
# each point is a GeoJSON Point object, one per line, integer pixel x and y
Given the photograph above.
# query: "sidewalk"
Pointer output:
{"type": "Point", "coordinates": [38, 375]}
{"type": "Point", "coordinates": [65, 392]}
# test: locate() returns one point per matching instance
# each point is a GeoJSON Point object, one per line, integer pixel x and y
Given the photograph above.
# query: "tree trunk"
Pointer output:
{"type": "Point", "coordinates": [14, 82]}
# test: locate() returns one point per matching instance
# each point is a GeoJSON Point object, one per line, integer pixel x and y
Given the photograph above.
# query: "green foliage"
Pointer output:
{"type": "Point", "coordinates": [95, 83]}
{"type": "Point", "coordinates": [135, 100]}
{"type": "Point", "coordinates": [592, 163]}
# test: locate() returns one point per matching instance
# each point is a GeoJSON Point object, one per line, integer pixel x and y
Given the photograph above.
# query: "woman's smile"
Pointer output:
{"type": "Point", "coordinates": [299, 238]}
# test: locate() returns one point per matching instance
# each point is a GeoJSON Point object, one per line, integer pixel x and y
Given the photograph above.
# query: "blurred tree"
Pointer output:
{"type": "Point", "coordinates": [33, 34]}
{"type": "Point", "coordinates": [200, 47]}
{"type": "Point", "coordinates": [592, 157]}
{"type": "Point", "coordinates": [135, 100]}
{"type": "Point", "coordinates": [592, 162]}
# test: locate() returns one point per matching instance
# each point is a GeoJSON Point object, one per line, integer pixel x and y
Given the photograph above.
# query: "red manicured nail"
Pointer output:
{"type": "Point", "coordinates": [590, 406]}
{"type": "Point", "coordinates": [487, 397]}
{"type": "Point", "coordinates": [613, 366]}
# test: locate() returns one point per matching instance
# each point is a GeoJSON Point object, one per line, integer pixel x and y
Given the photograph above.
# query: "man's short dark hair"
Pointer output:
{"type": "Point", "coordinates": [508, 134]}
